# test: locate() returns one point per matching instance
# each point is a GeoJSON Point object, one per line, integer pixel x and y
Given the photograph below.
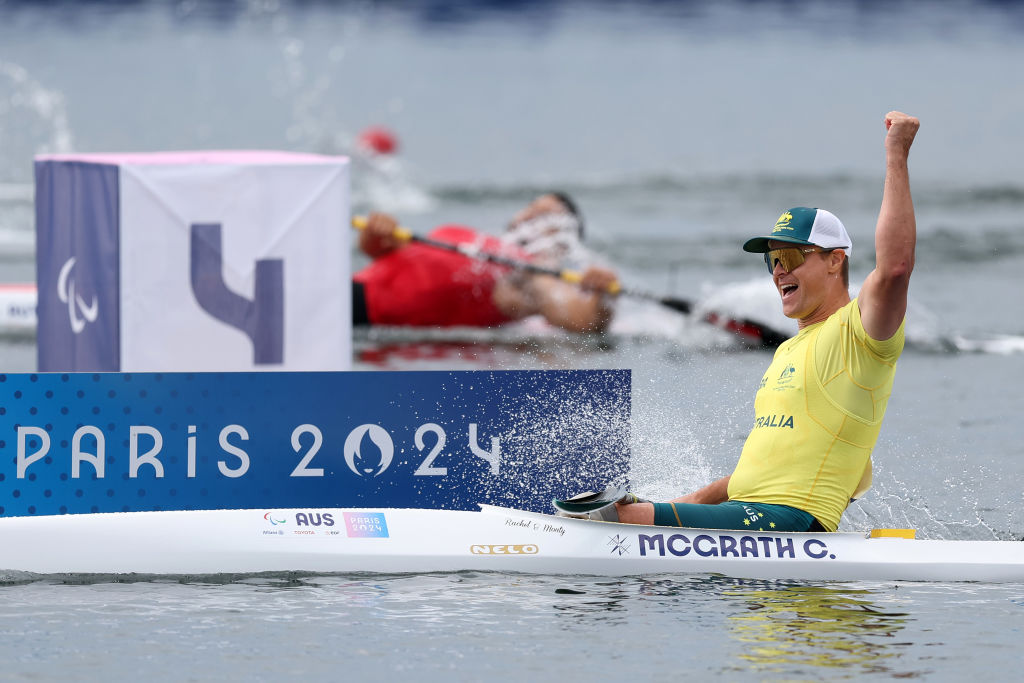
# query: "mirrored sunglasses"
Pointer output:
{"type": "Point", "coordinates": [788, 257]}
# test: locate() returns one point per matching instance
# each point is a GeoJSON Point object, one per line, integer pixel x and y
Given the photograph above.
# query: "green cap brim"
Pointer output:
{"type": "Point", "coordinates": [759, 245]}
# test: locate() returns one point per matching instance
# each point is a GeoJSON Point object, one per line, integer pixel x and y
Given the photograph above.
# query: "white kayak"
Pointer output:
{"type": "Point", "coordinates": [494, 539]}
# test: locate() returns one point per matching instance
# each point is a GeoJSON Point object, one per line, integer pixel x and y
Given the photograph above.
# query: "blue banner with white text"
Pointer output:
{"type": "Point", "coordinates": [116, 442]}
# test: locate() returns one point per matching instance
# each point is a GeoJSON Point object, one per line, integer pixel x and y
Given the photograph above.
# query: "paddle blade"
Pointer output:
{"type": "Point", "coordinates": [751, 332]}
{"type": "Point", "coordinates": [681, 305]}
{"type": "Point", "coordinates": [588, 502]}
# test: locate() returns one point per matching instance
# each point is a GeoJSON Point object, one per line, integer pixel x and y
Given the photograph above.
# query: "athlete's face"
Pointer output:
{"type": "Point", "coordinates": [804, 289]}
{"type": "Point", "coordinates": [547, 203]}
{"type": "Point", "coordinates": [545, 229]}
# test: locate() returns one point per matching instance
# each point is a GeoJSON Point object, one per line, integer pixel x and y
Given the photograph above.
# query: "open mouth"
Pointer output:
{"type": "Point", "coordinates": [788, 289]}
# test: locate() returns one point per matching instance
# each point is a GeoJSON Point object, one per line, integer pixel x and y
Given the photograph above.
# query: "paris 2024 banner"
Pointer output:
{"type": "Point", "coordinates": [77, 443]}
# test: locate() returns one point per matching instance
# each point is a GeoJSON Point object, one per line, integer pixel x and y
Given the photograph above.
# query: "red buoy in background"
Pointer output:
{"type": "Point", "coordinates": [377, 139]}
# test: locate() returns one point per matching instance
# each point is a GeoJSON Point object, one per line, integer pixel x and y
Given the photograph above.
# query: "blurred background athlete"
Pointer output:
{"type": "Point", "coordinates": [410, 283]}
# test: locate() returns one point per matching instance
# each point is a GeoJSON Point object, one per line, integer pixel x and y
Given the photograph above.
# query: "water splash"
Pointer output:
{"type": "Point", "coordinates": [893, 503]}
{"type": "Point", "coordinates": [308, 82]}
{"type": "Point", "coordinates": [592, 421]}
{"type": "Point", "coordinates": [33, 120]}
{"type": "Point", "coordinates": [384, 183]}
{"type": "Point", "coordinates": [1002, 345]}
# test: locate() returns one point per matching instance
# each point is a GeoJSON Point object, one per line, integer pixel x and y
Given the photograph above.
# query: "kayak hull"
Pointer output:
{"type": "Point", "coordinates": [494, 539]}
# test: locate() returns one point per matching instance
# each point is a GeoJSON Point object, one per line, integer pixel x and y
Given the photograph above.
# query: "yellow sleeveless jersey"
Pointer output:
{"type": "Point", "coordinates": [818, 412]}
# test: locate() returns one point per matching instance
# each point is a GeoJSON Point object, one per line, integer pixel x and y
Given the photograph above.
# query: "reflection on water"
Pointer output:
{"type": "Point", "coordinates": [506, 626]}
{"type": "Point", "coordinates": [794, 629]}
{"type": "Point", "coordinates": [600, 603]}
{"type": "Point", "coordinates": [820, 627]}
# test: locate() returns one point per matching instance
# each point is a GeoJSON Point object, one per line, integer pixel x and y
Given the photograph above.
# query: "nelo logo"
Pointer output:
{"type": "Point", "coordinates": [76, 305]}
{"type": "Point", "coordinates": [527, 549]}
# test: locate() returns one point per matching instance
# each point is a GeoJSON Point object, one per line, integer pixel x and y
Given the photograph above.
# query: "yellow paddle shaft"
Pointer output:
{"type": "Point", "coordinates": [405, 235]}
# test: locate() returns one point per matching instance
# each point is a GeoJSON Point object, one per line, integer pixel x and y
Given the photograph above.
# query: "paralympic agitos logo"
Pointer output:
{"type": "Point", "coordinates": [79, 312]}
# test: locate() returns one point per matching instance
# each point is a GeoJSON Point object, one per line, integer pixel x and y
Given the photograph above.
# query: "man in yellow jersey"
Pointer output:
{"type": "Point", "coordinates": [820, 405]}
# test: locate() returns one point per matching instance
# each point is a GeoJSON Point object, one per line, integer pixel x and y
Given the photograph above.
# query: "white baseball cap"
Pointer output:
{"type": "Point", "coordinates": [803, 225]}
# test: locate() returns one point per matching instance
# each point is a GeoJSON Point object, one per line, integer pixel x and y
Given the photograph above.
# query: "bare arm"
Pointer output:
{"type": "Point", "coordinates": [578, 308]}
{"type": "Point", "coordinates": [583, 307]}
{"type": "Point", "coordinates": [712, 494]}
{"type": "Point", "coordinates": [883, 297]}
